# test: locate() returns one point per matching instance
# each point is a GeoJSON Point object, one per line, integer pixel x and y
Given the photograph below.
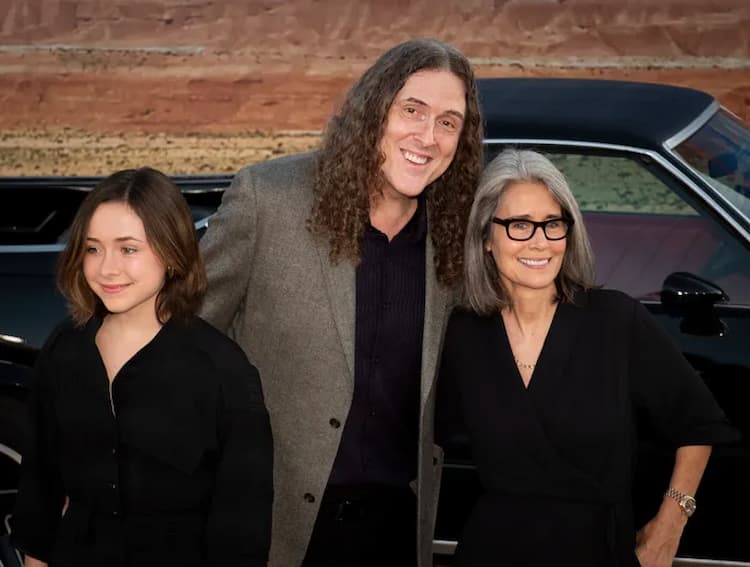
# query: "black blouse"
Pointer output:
{"type": "Point", "coordinates": [171, 465]}
{"type": "Point", "coordinates": [555, 459]}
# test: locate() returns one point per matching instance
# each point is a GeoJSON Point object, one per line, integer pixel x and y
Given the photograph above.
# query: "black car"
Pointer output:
{"type": "Point", "coordinates": [662, 175]}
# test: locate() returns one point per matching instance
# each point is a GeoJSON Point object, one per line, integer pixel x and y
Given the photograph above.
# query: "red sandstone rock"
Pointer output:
{"type": "Point", "coordinates": [237, 65]}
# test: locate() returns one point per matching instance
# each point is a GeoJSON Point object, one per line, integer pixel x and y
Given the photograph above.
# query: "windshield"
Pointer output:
{"type": "Point", "coordinates": [720, 152]}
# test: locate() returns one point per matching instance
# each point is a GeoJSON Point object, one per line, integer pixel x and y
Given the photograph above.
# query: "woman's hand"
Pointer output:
{"type": "Point", "coordinates": [657, 541]}
{"type": "Point", "coordinates": [31, 562]}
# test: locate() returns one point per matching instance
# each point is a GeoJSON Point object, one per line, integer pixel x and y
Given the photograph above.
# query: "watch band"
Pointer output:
{"type": "Point", "coordinates": [686, 502]}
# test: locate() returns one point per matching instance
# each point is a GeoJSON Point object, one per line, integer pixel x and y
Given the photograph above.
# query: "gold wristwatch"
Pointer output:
{"type": "Point", "coordinates": [686, 502]}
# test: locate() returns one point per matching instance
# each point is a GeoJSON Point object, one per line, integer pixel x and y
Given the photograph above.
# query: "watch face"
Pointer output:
{"type": "Point", "coordinates": [688, 504]}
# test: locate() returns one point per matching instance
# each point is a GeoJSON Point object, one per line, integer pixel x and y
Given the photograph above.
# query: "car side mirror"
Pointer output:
{"type": "Point", "coordinates": [693, 298]}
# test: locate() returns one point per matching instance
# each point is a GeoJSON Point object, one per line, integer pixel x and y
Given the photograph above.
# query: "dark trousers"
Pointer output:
{"type": "Point", "coordinates": [365, 526]}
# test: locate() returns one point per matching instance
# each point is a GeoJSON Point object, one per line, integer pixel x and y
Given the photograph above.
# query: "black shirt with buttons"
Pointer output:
{"type": "Point", "coordinates": [380, 438]}
{"type": "Point", "coordinates": [172, 466]}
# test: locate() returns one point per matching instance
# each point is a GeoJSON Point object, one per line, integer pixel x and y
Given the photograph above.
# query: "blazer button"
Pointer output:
{"type": "Point", "coordinates": [335, 423]}
{"type": "Point", "coordinates": [309, 497]}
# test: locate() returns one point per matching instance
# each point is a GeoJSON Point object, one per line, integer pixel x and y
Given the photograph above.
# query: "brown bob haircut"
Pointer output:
{"type": "Point", "coordinates": [169, 228]}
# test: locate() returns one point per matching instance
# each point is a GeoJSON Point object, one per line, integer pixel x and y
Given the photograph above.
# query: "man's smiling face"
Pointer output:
{"type": "Point", "coordinates": [422, 131]}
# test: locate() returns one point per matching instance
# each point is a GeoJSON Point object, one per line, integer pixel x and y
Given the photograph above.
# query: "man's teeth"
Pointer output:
{"type": "Point", "coordinates": [414, 158]}
{"type": "Point", "coordinates": [530, 262]}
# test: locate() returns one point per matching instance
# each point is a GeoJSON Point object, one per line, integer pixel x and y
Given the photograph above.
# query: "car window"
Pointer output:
{"type": "Point", "coordinates": [37, 215]}
{"type": "Point", "coordinates": [642, 228]}
{"type": "Point", "coordinates": [720, 152]}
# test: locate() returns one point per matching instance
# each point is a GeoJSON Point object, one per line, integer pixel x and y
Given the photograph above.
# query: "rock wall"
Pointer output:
{"type": "Point", "coordinates": [346, 29]}
{"type": "Point", "coordinates": [237, 67]}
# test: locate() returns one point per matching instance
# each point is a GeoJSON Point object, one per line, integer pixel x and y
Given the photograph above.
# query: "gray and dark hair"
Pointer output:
{"type": "Point", "coordinates": [483, 289]}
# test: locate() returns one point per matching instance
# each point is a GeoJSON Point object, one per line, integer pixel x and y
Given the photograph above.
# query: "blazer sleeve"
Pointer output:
{"type": "Point", "coordinates": [665, 387]}
{"type": "Point", "coordinates": [40, 499]}
{"type": "Point", "coordinates": [238, 530]}
{"type": "Point", "coordinates": [227, 249]}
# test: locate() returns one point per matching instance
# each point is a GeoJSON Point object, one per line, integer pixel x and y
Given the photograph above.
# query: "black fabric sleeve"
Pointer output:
{"type": "Point", "coordinates": [39, 503]}
{"type": "Point", "coordinates": [664, 385]}
{"type": "Point", "coordinates": [238, 529]}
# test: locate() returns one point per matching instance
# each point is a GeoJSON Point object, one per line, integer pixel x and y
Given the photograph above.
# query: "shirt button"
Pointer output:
{"type": "Point", "coordinates": [115, 513]}
{"type": "Point", "coordinates": [309, 497]}
{"type": "Point", "coordinates": [114, 450]}
{"type": "Point", "coordinates": [113, 486]}
{"type": "Point", "coordinates": [373, 413]}
{"type": "Point", "coordinates": [335, 423]}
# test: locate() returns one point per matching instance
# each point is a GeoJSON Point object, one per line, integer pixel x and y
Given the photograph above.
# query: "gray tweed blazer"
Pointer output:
{"type": "Point", "coordinates": [273, 289]}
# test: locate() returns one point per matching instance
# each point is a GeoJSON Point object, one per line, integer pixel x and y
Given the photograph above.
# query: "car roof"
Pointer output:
{"type": "Point", "coordinates": [589, 110]}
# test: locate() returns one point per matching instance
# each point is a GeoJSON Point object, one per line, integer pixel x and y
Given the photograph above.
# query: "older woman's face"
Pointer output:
{"type": "Point", "coordinates": [528, 266]}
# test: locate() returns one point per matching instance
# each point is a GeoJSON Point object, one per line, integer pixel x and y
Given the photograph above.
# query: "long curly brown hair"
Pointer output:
{"type": "Point", "coordinates": [349, 160]}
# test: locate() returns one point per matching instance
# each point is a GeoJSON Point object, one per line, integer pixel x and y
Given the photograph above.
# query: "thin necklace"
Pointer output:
{"type": "Point", "coordinates": [524, 365]}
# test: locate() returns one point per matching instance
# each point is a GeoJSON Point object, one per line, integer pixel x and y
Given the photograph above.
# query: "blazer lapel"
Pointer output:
{"type": "Point", "coordinates": [340, 280]}
{"type": "Point", "coordinates": [436, 307]}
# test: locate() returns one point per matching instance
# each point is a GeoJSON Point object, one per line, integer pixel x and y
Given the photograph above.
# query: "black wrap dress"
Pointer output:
{"type": "Point", "coordinates": [555, 459]}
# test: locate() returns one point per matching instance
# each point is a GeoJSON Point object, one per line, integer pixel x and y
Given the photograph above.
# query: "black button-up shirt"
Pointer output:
{"type": "Point", "coordinates": [171, 465]}
{"type": "Point", "coordinates": [380, 438]}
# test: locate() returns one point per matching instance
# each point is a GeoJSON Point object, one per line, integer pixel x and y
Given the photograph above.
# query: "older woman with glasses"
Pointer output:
{"type": "Point", "coordinates": [546, 373]}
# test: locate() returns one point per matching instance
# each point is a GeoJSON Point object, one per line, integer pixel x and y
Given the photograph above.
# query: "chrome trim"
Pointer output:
{"type": "Point", "coordinates": [693, 127]}
{"type": "Point", "coordinates": [718, 305]}
{"type": "Point", "coordinates": [574, 143]}
{"type": "Point", "coordinates": [444, 547]}
{"type": "Point", "coordinates": [16, 552]}
{"type": "Point", "coordinates": [40, 248]}
{"type": "Point", "coordinates": [11, 453]}
{"type": "Point", "coordinates": [448, 547]}
{"type": "Point", "coordinates": [26, 248]}
{"type": "Point", "coordinates": [203, 223]}
{"type": "Point", "coordinates": [708, 198]}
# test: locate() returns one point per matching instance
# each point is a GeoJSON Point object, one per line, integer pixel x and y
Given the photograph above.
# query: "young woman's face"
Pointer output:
{"type": "Point", "coordinates": [119, 264]}
{"type": "Point", "coordinates": [421, 132]}
{"type": "Point", "coordinates": [530, 264]}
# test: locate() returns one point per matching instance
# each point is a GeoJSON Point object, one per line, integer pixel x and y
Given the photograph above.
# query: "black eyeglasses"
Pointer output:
{"type": "Point", "coordinates": [522, 229]}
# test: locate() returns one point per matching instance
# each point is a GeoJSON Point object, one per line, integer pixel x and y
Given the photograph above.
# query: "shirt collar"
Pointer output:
{"type": "Point", "coordinates": [415, 229]}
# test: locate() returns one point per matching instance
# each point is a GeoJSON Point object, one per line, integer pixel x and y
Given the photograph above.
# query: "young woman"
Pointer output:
{"type": "Point", "coordinates": [548, 372]}
{"type": "Point", "coordinates": [149, 441]}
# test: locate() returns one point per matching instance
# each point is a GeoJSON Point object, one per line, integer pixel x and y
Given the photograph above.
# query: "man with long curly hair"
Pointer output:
{"type": "Point", "coordinates": [334, 271]}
